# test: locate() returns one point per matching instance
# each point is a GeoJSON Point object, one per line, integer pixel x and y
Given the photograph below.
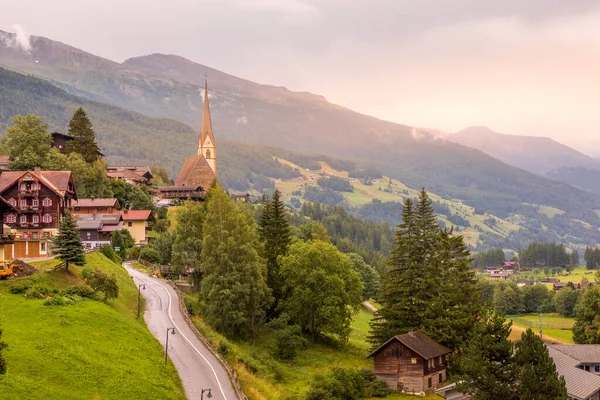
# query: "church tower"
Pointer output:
{"type": "Point", "coordinates": [206, 144]}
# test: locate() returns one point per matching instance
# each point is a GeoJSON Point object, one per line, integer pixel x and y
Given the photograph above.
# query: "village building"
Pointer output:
{"type": "Point", "coordinates": [95, 230]}
{"type": "Point", "coordinates": [35, 202]}
{"type": "Point", "coordinates": [412, 363]}
{"type": "Point", "coordinates": [137, 222]}
{"type": "Point", "coordinates": [134, 175]}
{"type": "Point", "coordinates": [96, 206]}
{"type": "Point", "coordinates": [198, 171]}
{"type": "Point", "coordinates": [579, 364]}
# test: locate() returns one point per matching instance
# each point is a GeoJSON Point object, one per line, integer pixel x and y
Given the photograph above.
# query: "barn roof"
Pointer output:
{"type": "Point", "coordinates": [418, 342]}
{"type": "Point", "coordinates": [136, 215]}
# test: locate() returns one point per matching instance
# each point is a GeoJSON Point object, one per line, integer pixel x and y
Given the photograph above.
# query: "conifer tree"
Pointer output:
{"type": "Point", "coordinates": [84, 141]}
{"type": "Point", "coordinates": [68, 246]}
{"type": "Point", "coordinates": [276, 235]}
{"type": "Point", "coordinates": [234, 290]}
{"type": "Point", "coordinates": [538, 379]}
{"type": "Point", "coordinates": [2, 361]}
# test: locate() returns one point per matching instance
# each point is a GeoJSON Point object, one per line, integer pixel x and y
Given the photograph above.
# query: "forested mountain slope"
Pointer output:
{"type": "Point", "coordinates": [171, 86]}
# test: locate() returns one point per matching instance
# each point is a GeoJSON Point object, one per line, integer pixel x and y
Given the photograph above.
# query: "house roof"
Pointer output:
{"type": "Point", "coordinates": [127, 174]}
{"type": "Point", "coordinates": [111, 219]}
{"type": "Point", "coordinates": [109, 202]}
{"type": "Point", "coordinates": [580, 384]}
{"type": "Point", "coordinates": [195, 172]}
{"type": "Point", "coordinates": [136, 215]}
{"type": "Point", "coordinates": [418, 342]}
{"type": "Point", "coordinates": [57, 181]}
{"type": "Point", "coordinates": [191, 188]}
{"type": "Point", "coordinates": [89, 224]}
{"type": "Point", "coordinates": [585, 353]}
{"type": "Point", "coordinates": [142, 170]}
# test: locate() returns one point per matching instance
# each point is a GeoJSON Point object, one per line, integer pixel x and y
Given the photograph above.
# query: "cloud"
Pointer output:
{"type": "Point", "coordinates": [21, 38]}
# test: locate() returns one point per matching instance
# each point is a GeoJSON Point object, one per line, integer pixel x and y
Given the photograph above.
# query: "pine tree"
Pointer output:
{"type": "Point", "coordinates": [234, 290]}
{"type": "Point", "coordinates": [538, 379]}
{"type": "Point", "coordinates": [276, 235]}
{"type": "Point", "coordinates": [2, 361]}
{"type": "Point", "coordinates": [84, 141]}
{"type": "Point", "coordinates": [68, 246]}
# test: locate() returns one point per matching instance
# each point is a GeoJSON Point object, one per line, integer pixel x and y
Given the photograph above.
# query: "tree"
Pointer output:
{"type": "Point", "coordinates": [275, 232]}
{"type": "Point", "coordinates": [68, 246]}
{"type": "Point", "coordinates": [116, 241]}
{"type": "Point", "coordinates": [187, 246]}
{"type": "Point", "coordinates": [369, 276]}
{"type": "Point", "coordinates": [323, 292]}
{"type": "Point", "coordinates": [84, 138]}
{"type": "Point", "coordinates": [234, 290]}
{"type": "Point", "coordinates": [537, 376]}
{"type": "Point", "coordinates": [288, 338]}
{"type": "Point", "coordinates": [3, 346]}
{"type": "Point", "coordinates": [101, 281]}
{"type": "Point", "coordinates": [565, 301]}
{"type": "Point", "coordinates": [27, 142]}
{"type": "Point", "coordinates": [485, 369]}
{"type": "Point", "coordinates": [586, 329]}
{"type": "Point", "coordinates": [534, 296]}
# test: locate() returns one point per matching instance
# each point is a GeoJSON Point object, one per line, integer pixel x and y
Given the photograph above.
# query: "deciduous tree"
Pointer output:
{"type": "Point", "coordinates": [187, 246]}
{"type": "Point", "coordinates": [323, 292]}
{"type": "Point", "coordinates": [84, 138]}
{"type": "Point", "coordinates": [68, 246]}
{"type": "Point", "coordinates": [586, 329]}
{"type": "Point", "coordinates": [103, 282]}
{"type": "Point", "coordinates": [27, 142]}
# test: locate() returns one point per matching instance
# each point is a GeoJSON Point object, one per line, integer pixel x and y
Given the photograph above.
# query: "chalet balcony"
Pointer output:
{"type": "Point", "coordinates": [28, 192]}
{"type": "Point", "coordinates": [33, 236]}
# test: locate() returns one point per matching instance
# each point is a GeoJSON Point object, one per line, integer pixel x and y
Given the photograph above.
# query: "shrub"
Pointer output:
{"type": "Point", "coordinates": [110, 253]}
{"type": "Point", "coordinates": [134, 252]}
{"type": "Point", "coordinates": [150, 255]}
{"type": "Point", "coordinates": [223, 348]}
{"type": "Point", "coordinates": [189, 305]}
{"type": "Point", "coordinates": [100, 281]}
{"type": "Point", "coordinates": [20, 287]}
{"type": "Point", "coordinates": [39, 291]}
{"type": "Point", "coordinates": [347, 384]}
{"type": "Point", "coordinates": [288, 338]}
{"type": "Point", "coordinates": [83, 291]}
{"type": "Point", "coordinates": [59, 300]}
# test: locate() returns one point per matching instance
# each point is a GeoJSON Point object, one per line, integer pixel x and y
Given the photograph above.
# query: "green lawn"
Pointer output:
{"type": "Point", "coordinates": [89, 350]}
{"type": "Point", "coordinates": [555, 327]}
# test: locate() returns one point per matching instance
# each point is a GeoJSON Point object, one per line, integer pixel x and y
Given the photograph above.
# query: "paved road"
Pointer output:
{"type": "Point", "coordinates": [197, 367]}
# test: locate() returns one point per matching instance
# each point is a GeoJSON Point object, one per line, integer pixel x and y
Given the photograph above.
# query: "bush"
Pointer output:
{"type": "Point", "coordinates": [39, 291]}
{"type": "Point", "coordinates": [20, 287]}
{"type": "Point", "coordinates": [288, 338]}
{"type": "Point", "coordinates": [189, 305]}
{"type": "Point", "coordinates": [110, 253]}
{"type": "Point", "coordinates": [150, 255]}
{"type": "Point", "coordinates": [347, 384]}
{"type": "Point", "coordinates": [223, 348]}
{"type": "Point", "coordinates": [84, 291]}
{"type": "Point", "coordinates": [59, 300]}
{"type": "Point", "coordinates": [100, 281]}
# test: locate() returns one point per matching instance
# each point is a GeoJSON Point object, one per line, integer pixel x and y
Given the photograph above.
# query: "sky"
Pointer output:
{"type": "Point", "coordinates": [527, 67]}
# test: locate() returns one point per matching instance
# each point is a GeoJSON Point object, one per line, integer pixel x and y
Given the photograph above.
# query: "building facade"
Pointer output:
{"type": "Point", "coordinates": [137, 222]}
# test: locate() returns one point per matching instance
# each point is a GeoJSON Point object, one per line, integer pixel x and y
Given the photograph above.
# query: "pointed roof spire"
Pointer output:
{"type": "Point", "coordinates": [206, 130]}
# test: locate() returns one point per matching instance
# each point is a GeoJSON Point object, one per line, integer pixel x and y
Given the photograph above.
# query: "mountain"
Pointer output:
{"type": "Point", "coordinates": [170, 86]}
{"type": "Point", "coordinates": [539, 155]}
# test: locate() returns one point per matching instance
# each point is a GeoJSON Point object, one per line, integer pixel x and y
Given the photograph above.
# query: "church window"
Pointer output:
{"type": "Point", "coordinates": [208, 153]}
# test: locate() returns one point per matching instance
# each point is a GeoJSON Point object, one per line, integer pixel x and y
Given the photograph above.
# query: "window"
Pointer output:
{"type": "Point", "coordinates": [47, 202]}
{"type": "Point", "coordinates": [11, 218]}
{"type": "Point", "coordinates": [440, 360]}
{"type": "Point", "coordinates": [596, 368]}
{"type": "Point", "coordinates": [429, 382]}
{"type": "Point", "coordinates": [77, 208]}
{"type": "Point", "coordinates": [42, 246]}
{"type": "Point", "coordinates": [207, 153]}
{"type": "Point", "coordinates": [35, 203]}
{"type": "Point", "coordinates": [35, 219]}
{"type": "Point", "coordinates": [441, 379]}
{"type": "Point", "coordinates": [88, 235]}
{"type": "Point", "coordinates": [23, 186]}
{"type": "Point", "coordinates": [23, 203]}
{"type": "Point", "coordinates": [413, 360]}
{"type": "Point", "coordinates": [47, 218]}
{"type": "Point", "coordinates": [130, 224]}
{"type": "Point", "coordinates": [12, 202]}
{"type": "Point", "coordinates": [99, 208]}
{"type": "Point", "coordinates": [23, 219]}
{"type": "Point", "coordinates": [587, 368]}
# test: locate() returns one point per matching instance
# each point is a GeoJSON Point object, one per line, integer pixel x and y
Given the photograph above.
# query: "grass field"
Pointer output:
{"type": "Point", "coordinates": [265, 378]}
{"type": "Point", "coordinates": [89, 350]}
{"type": "Point", "coordinates": [555, 328]}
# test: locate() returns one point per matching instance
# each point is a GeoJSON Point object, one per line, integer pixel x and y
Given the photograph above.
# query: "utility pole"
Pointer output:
{"type": "Point", "coordinates": [541, 337]}
{"type": "Point", "coordinates": [172, 332]}
{"type": "Point", "coordinates": [141, 286]}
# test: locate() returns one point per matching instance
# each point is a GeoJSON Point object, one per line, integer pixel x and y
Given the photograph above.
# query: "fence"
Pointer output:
{"type": "Point", "coordinates": [545, 324]}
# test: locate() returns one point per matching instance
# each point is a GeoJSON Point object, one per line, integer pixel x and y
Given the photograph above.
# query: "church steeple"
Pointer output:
{"type": "Point", "coordinates": [206, 143]}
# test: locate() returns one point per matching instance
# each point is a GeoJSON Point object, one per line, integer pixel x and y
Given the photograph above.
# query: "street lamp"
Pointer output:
{"type": "Point", "coordinates": [208, 395]}
{"type": "Point", "coordinates": [143, 285]}
{"type": "Point", "coordinates": [172, 332]}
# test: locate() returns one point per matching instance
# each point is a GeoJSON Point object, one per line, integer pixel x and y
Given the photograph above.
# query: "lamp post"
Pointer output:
{"type": "Point", "coordinates": [143, 285]}
{"type": "Point", "coordinates": [172, 332]}
{"type": "Point", "coordinates": [208, 395]}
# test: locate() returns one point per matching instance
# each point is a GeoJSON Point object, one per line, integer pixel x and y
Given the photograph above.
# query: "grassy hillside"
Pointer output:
{"type": "Point", "coordinates": [88, 350]}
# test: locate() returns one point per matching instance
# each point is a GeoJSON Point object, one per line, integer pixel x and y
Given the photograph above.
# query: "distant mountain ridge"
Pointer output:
{"type": "Point", "coordinates": [539, 155]}
{"type": "Point", "coordinates": [171, 86]}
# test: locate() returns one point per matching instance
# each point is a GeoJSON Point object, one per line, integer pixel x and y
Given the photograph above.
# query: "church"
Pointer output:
{"type": "Point", "coordinates": [200, 170]}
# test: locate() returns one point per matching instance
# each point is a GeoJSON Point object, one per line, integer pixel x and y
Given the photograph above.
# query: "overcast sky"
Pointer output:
{"type": "Point", "coordinates": [518, 66]}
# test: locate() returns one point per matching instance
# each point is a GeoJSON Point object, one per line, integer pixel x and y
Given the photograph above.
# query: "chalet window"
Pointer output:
{"type": "Point", "coordinates": [23, 186]}
{"type": "Point", "coordinates": [130, 224]}
{"type": "Point", "coordinates": [440, 360]}
{"type": "Point", "coordinates": [42, 246]}
{"type": "Point", "coordinates": [12, 202]}
{"type": "Point", "coordinates": [11, 218]}
{"type": "Point", "coordinates": [35, 219]}
{"type": "Point", "coordinates": [596, 368]}
{"type": "Point", "coordinates": [47, 202]}
{"type": "Point", "coordinates": [77, 208]}
{"type": "Point", "coordinates": [413, 360]}
{"type": "Point", "coordinates": [35, 203]}
{"type": "Point", "coordinates": [99, 208]}
{"type": "Point", "coordinates": [89, 235]}
{"type": "Point", "coordinates": [429, 382]}
{"type": "Point", "coordinates": [23, 219]}
{"type": "Point", "coordinates": [440, 378]}
{"type": "Point", "coordinates": [23, 203]}
{"type": "Point", "coordinates": [587, 368]}
{"type": "Point", "coordinates": [47, 218]}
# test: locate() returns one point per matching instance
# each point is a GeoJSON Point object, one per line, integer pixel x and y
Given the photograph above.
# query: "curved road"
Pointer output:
{"type": "Point", "coordinates": [196, 365]}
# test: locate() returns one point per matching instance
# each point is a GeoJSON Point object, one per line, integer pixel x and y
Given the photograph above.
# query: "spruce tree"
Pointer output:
{"type": "Point", "coordinates": [2, 361]}
{"type": "Point", "coordinates": [84, 141]}
{"type": "Point", "coordinates": [234, 291]}
{"type": "Point", "coordinates": [275, 233]}
{"type": "Point", "coordinates": [538, 379]}
{"type": "Point", "coordinates": [68, 246]}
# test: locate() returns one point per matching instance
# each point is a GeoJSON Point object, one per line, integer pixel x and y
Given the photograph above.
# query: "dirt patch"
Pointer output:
{"type": "Point", "coordinates": [21, 269]}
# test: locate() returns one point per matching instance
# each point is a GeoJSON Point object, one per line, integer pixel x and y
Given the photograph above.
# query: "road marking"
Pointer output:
{"type": "Point", "coordinates": [186, 339]}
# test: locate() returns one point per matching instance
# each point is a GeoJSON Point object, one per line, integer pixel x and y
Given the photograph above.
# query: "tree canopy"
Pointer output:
{"type": "Point", "coordinates": [84, 138]}
{"type": "Point", "coordinates": [27, 142]}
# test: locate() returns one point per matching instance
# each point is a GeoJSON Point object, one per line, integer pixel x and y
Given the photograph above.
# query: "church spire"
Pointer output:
{"type": "Point", "coordinates": [206, 142]}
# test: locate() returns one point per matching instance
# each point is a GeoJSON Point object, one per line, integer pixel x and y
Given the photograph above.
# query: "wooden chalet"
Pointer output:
{"type": "Point", "coordinates": [184, 192]}
{"type": "Point", "coordinates": [37, 201]}
{"type": "Point", "coordinates": [96, 206]}
{"type": "Point", "coordinates": [134, 175]}
{"type": "Point", "coordinates": [412, 363]}
{"type": "Point", "coordinates": [60, 140]}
